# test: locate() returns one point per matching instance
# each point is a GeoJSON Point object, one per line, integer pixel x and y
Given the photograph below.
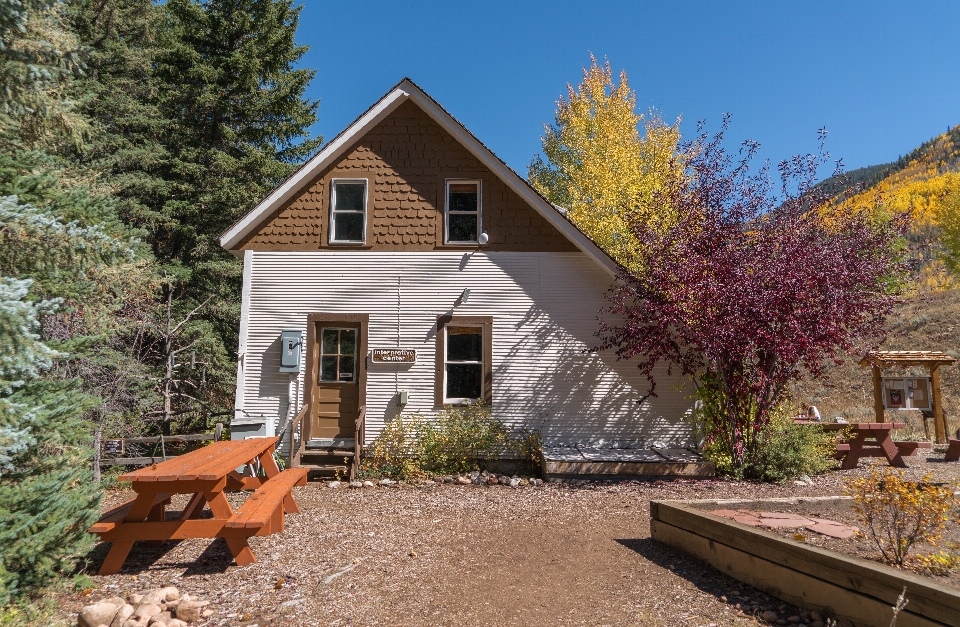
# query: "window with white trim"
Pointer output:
{"type": "Point", "coordinates": [463, 212]}
{"type": "Point", "coordinates": [463, 364]}
{"type": "Point", "coordinates": [348, 211]}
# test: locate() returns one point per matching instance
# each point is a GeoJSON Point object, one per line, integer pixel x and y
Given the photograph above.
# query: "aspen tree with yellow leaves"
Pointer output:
{"type": "Point", "coordinates": [602, 169]}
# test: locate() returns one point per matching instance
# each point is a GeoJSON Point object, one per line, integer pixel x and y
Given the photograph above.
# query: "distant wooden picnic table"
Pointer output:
{"type": "Point", "coordinates": [871, 439]}
{"type": "Point", "coordinates": [206, 474]}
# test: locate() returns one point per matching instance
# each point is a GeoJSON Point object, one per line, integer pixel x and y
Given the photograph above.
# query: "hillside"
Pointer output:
{"type": "Point", "coordinates": [917, 181]}
{"type": "Point", "coordinates": [923, 322]}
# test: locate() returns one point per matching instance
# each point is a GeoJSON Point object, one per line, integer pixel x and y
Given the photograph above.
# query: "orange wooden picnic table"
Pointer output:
{"type": "Point", "coordinates": [871, 439]}
{"type": "Point", "coordinates": [206, 474]}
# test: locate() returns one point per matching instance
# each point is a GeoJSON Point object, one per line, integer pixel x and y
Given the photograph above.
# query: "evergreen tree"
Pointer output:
{"type": "Point", "coordinates": [213, 118]}
{"type": "Point", "coordinates": [62, 257]}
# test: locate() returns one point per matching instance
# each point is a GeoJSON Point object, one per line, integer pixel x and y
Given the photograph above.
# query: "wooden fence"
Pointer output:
{"type": "Point", "coordinates": [117, 448]}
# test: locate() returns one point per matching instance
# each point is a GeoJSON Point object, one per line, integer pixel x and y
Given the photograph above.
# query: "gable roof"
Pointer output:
{"type": "Point", "coordinates": [406, 90]}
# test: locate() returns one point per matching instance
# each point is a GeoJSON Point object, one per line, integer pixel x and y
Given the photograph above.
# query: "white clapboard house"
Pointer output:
{"type": "Point", "coordinates": [405, 268]}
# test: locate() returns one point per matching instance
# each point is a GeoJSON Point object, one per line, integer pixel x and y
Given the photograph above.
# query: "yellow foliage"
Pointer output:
{"type": "Point", "coordinates": [922, 192]}
{"type": "Point", "coordinates": [601, 169]}
{"type": "Point", "coordinates": [899, 513]}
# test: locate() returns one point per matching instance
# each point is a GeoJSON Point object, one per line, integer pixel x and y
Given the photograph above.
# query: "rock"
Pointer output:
{"type": "Point", "coordinates": [448, 479]}
{"type": "Point", "coordinates": [478, 480]}
{"type": "Point", "coordinates": [806, 479]}
{"type": "Point", "coordinates": [291, 606]}
{"type": "Point", "coordinates": [485, 474]}
{"type": "Point", "coordinates": [524, 481]}
{"type": "Point", "coordinates": [176, 622]}
{"type": "Point", "coordinates": [171, 605]}
{"type": "Point", "coordinates": [145, 611]}
{"type": "Point", "coordinates": [206, 613]}
{"type": "Point", "coordinates": [356, 484]}
{"type": "Point", "coordinates": [333, 484]}
{"type": "Point", "coordinates": [387, 482]}
{"type": "Point", "coordinates": [135, 599]}
{"type": "Point", "coordinates": [814, 616]}
{"type": "Point", "coordinates": [159, 595]}
{"type": "Point", "coordinates": [514, 482]}
{"type": "Point", "coordinates": [492, 481]}
{"type": "Point", "coordinates": [781, 621]}
{"type": "Point", "coordinates": [101, 613]}
{"type": "Point", "coordinates": [464, 480]}
{"type": "Point", "coordinates": [793, 619]}
{"type": "Point", "coordinates": [817, 623]}
{"type": "Point", "coordinates": [473, 474]}
{"type": "Point", "coordinates": [769, 616]}
{"type": "Point", "coordinates": [122, 615]}
{"type": "Point", "coordinates": [800, 483]}
{"type": "Point", "coordinates": [162, 617]}
{"type": "Point", "coordinates": [368, 484]}
{"type": "Point", "coordinates": [190, 610]}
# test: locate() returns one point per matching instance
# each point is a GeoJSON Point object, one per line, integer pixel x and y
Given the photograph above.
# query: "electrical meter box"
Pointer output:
{"type": "Point", "coordinates": [290, 345]}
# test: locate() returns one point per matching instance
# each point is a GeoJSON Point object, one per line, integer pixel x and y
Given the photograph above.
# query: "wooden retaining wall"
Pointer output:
{"type": "Point", "coordinates": [852, 590]}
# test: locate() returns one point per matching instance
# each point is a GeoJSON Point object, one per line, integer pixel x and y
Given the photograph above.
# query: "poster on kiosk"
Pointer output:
{"type": "Point", "coordinates": [907, 393]}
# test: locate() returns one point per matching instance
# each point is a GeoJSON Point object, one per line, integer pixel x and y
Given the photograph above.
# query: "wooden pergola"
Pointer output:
{"type": "Point", "coordinates": [931, 360]}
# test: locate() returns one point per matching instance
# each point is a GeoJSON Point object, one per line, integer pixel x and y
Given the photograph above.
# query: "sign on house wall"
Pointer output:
{"type": "Point", "coordinates": [394, 356]}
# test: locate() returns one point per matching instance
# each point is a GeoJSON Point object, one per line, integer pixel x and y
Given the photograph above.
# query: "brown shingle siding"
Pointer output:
{"type": "Point", "coordinates": [406, 159]}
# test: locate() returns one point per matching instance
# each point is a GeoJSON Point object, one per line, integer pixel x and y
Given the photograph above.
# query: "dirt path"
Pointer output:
{"type": "Point", "coordinates": [463, 555]}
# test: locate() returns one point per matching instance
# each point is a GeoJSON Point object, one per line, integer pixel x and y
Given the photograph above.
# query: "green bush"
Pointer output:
{"type": "Point", "coordinates": [458, 440]}
{"type": "Point", "coordinates": [784, 450]}
{"type": "Point", "coordinates": [788, 450]}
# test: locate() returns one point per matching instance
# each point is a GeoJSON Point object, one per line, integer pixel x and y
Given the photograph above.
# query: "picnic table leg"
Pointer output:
{"type": "Point", "coordinates": [116, 556]}
{"type": "Point", "coordinates": [853, 455]}
{"type": "Point", "coordinates": [242, 554]}
{"type": "Point", "coordinates": [157, 514]}
{"type": "Point", "coordinates": [218, 504]}
{"type": "Point", "coordinates": [194, 508]}
{"type": "Point", "coordinates": [889, 448]}
{"type": "Point", "coordinates": [119, 549]}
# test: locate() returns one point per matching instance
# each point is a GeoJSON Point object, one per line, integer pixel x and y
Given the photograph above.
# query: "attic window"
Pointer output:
{"type": "Point", "coordinates": [348, 202]}
{"type": "Point", "coordinates": [463, 212]}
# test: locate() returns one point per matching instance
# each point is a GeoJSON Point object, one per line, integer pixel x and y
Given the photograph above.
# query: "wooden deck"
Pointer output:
{"type": "Point", "coordinates": [581, 463]}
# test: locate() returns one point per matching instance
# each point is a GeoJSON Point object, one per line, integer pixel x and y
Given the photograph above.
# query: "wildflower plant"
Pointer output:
{"type": "Point", "coordinates": [898, 513]}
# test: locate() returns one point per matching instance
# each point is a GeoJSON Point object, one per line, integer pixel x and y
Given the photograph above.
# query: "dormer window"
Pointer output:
{"type": "Point", "coordinates": [348, 203]}
{"type": "Point", "coordinates": [463, 212]}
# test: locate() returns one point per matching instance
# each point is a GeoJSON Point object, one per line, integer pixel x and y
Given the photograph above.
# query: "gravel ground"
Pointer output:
{"type": "Point", "coordinates": [465, 555]}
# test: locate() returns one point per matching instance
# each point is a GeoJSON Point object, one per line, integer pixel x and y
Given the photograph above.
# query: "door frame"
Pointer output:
{"type": "Point", "coordinates": [362, 321]}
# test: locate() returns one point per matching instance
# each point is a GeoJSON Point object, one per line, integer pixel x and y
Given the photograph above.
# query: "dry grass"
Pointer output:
{"type": "Point", "coordinates": [926, 322]}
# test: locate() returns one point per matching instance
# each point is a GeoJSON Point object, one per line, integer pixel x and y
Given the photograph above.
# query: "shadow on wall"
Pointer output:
{"type": "Point", "coordinates": [579, 397]}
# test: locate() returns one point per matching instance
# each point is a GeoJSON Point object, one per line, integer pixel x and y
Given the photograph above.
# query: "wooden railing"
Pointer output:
{"type": "Point", "coordinates": [296, 454]}
{"type": "Point", "coordinates": [358, 437]}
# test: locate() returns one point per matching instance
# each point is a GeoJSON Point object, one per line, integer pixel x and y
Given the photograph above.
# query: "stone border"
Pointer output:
{"type": "Point", "coordinates": [853, 590]}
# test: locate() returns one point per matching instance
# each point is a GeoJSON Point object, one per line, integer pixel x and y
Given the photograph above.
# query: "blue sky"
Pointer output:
{"type": "Point", "coordinates": [882, 77]}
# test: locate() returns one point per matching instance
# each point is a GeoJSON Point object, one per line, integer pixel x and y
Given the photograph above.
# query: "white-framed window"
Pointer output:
{"type": "Point", "coordinates": [463, 363]}
{"type": "Point", "coordinates": [462, 215]}
{"type": "Point", "coordinates": [348, 211]}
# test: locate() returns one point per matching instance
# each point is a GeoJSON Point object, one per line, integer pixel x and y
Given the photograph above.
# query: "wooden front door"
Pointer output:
{"type": "Point", "coordinates": [337, 367]}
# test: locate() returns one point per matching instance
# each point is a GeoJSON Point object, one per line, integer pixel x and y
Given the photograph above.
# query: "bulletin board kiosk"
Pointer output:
{"type": "Point", "coordinates": [909, 392]}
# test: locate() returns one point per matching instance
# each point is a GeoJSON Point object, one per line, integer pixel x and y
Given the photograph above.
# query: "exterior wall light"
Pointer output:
{"type": "Point", "coordinates": [483, 239]}
{"type": "Point", "coordinates": [464, 297]}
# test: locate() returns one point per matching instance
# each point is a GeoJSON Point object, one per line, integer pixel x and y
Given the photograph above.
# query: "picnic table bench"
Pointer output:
{"type": "Point", "coordinates": [207, 474]}
{"type": "Point", "coordinates": [871, 439]}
